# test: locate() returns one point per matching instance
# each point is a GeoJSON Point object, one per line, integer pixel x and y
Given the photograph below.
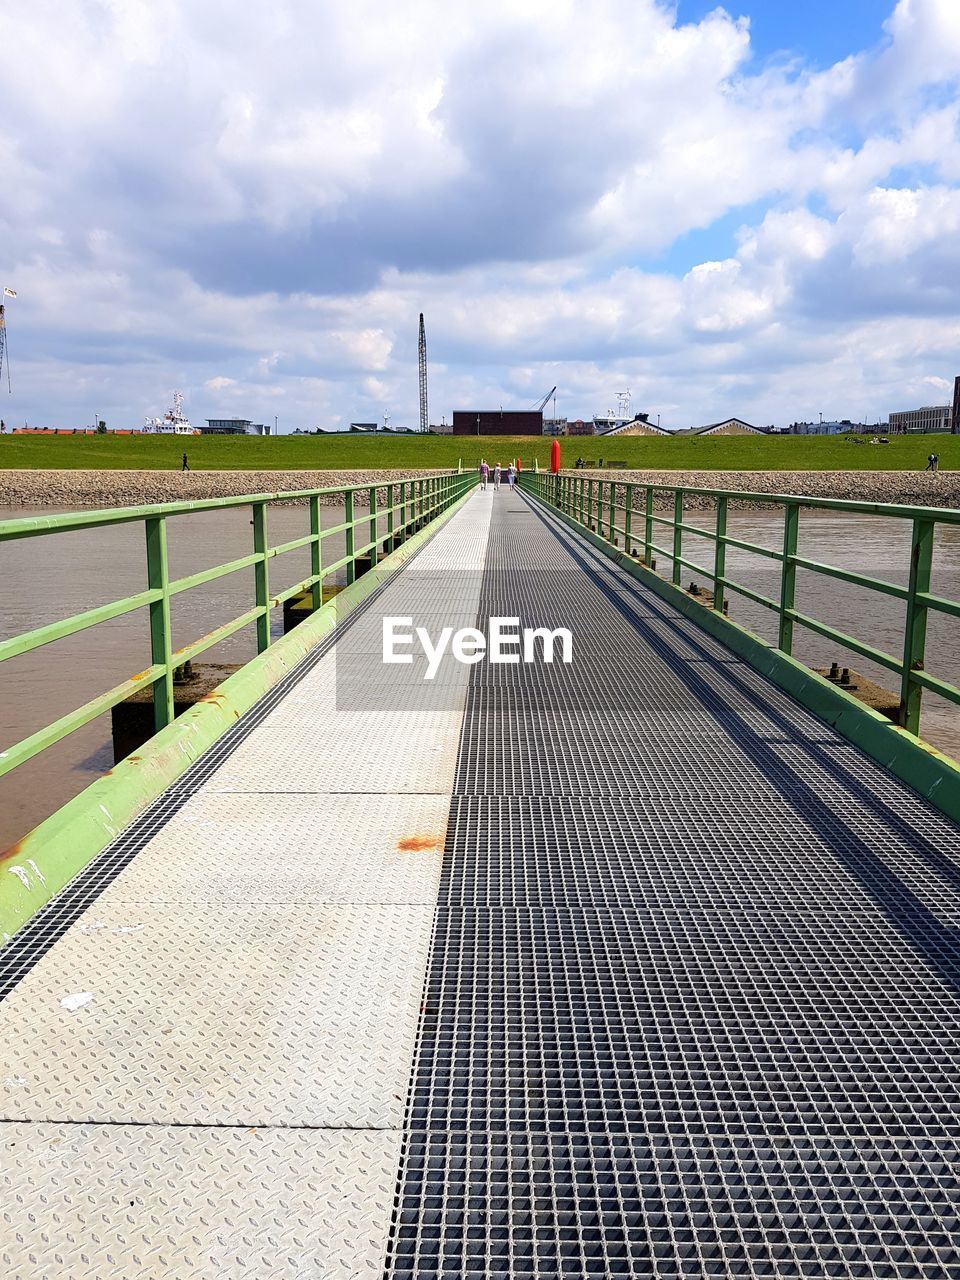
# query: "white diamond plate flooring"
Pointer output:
{"type": "Point", "coordinates": [128, 1202]}
{"type": "Point", "coordinates": [206, 1074]}
{"type": "Point", "coordinates": [229, 850]}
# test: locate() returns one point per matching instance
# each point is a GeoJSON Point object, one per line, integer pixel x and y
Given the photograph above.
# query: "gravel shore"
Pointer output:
{"type": "Point", "coordinates": [135, 488]}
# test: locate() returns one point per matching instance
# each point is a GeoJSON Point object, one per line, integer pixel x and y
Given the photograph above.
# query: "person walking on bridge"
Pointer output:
{"type": "Point", "coordinates": [496, 478]}
{"type": "Point", "coordinates": [511, 475]}
{"type": "Point", "coordinates": [186, 465]}
{"type": "Point", "coordinates": [484, 473]}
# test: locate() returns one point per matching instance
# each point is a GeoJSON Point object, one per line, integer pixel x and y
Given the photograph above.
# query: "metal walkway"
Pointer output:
{"type": "Point", "coordinates": [691, 1006]}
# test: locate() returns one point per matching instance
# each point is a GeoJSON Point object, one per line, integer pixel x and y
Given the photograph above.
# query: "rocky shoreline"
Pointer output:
{"type": "Point", "coordinates": [21, 488]}
{"type": "Point", "coordinates": [84, 488]}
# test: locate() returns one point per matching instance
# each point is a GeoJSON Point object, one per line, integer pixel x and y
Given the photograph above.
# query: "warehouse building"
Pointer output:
{"type": "Point", "coordinates": [498, 422]}
{"type": "Point", "coordinates": [936, 417]}
{"type": "Point", "coordinates": [233, 427]}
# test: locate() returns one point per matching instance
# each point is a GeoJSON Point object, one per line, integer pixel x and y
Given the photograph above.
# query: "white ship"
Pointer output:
{"type": "Point", "coordinates": [173, 423]}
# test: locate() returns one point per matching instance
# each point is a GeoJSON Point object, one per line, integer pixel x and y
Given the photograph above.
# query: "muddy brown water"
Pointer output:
{"type": "Point", "coordinates": [48, 578]}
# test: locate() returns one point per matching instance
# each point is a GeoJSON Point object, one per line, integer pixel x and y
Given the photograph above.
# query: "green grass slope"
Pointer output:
{"type": "Point", "coordinates": [254, 453]}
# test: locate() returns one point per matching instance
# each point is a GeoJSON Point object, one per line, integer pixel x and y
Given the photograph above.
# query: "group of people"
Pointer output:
{"type": "Point", "coordinates": [496, 474]}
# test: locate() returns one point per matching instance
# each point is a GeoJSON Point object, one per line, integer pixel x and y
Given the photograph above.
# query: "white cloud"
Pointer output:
{"type": "Point", "coordinates": [175, 219]}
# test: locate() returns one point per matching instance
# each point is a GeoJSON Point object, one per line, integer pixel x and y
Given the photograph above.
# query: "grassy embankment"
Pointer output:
{"type": "Point", "coordinates": [343, 453]}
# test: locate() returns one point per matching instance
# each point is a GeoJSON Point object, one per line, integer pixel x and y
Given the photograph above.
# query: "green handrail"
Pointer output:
{"type": "Point", "coordinates": [573, 495]}
{"type": "Point", "coordinates": [421, 499]}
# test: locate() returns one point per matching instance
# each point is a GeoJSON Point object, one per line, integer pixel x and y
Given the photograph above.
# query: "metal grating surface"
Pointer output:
{"type": "Point", "coordinates": [693, 1004]}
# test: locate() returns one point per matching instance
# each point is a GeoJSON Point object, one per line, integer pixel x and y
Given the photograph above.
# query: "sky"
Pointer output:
{"type": "Point", "coordinates": [747, 211]}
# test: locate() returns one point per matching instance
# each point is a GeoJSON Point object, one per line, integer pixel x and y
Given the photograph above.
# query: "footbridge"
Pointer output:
{"type": "Point", "coordinates": [644, 963]}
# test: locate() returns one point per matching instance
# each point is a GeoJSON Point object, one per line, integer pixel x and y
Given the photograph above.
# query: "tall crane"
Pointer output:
{"type": "Point", "coordinates": [538, 408]}
{"type": "Point", "coordinates": [4, 350]}
{"type": "Point", "coordinates": [424, 416]}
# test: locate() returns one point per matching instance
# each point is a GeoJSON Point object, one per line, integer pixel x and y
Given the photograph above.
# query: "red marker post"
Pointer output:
{"type": "Point", "coordinates": [555, 458]}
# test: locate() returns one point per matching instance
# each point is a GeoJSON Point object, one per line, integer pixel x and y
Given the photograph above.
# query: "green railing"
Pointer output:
{"type": "Point", "coordinates": [410, 504]}
{"type": "Point", "coordinates": [597, 505]}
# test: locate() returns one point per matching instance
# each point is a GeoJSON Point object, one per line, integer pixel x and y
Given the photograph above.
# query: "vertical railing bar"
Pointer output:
{"type": "Point", "coordinates": [349, 537]}
{"type": "Point", "coordinates": [648, 529]}
{"type": "Point", "coordinates": [915, 625]}
{"type": "Point", "coordinates": [261, 575]}
{"type": "Point", "coordinates": [161, 645]}
{"type": "Point", "coordinates": [788, 575]}
{"type": "Point", "coordinates": [316, 554]}
{"type": "Point", "coordinates": [720, 555]}
{"type": "Point", "coordinates": [372, 499]}
{"type": "Point", "coordinates": [677, 536]}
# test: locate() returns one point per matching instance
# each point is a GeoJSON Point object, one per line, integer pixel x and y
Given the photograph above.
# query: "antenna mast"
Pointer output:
{"type": "Point", "coordinates": [424, 416]}
{"type": "Point", "coordinates": [3, 346]}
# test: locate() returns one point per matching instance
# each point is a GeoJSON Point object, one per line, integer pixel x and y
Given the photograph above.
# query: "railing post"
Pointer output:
{"type": "Point", "coordinates": [349, 538]}
{"type": "Point", "coordinates": [677, 536]}
{"type": "Point", "coordinates": [648, 529]}
{"type": "Point", "coordinates": [628, 520]}
{"type": "Point", "coordinates": [391, 494]}
{"type": "Point", "coordinates": [161, 647]}
{"type": "Point", "coordinates": [720, 555]}
{"type": "Point", "coordinates": [788, 575]}
{"type": "Point", "coordinates": [915, 628]}
{"type": "Point", "coordinates": [372, 498]}
{"type": "Point", "coordinates": [583, 499]}
{"type": "Point", "coordinates": [613, 513]}
{"type": "Point", "coordinates": [260, 575]}
{"type": "Point", "coordinates": [316, 553]}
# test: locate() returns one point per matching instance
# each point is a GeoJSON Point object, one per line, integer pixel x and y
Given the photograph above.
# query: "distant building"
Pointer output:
{"type": "Point", "coordinates": [233, 427]}
{"type": "Point", "coordinates": [729, 427]}
{"type": "Point", "coordinates": [579, 428]}
{"type": "Point", "coordinates": [937, 417]}
{"type": "Point", "coordinates": [497, 422]}
{"type": "Point", "coordinates": [835, 427]}
{"type": "Point", "coordinates": [555, 426]}
{"type": "Point", "coordinates": [443, 429]}
{"type": "Point", "coordinates": [365, 426]}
